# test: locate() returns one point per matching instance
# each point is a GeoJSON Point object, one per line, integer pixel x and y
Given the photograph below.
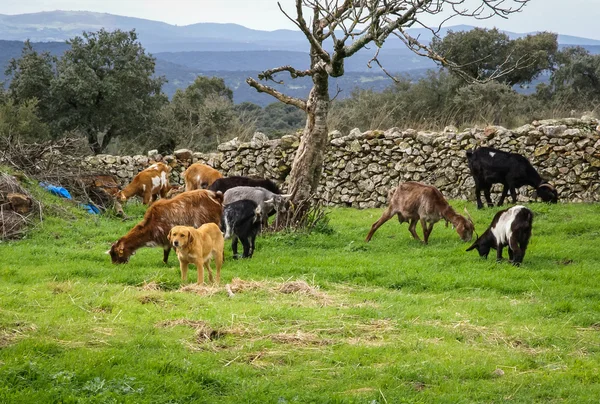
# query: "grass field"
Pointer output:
{"type": "Point", "coordinates": [385, 322]}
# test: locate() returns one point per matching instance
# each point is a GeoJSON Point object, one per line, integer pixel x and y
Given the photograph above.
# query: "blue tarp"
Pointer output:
{"type": "Point", "coordinates": [54, 190]}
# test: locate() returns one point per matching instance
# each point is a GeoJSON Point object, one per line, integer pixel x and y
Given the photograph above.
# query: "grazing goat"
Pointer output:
{"type": "Point", "coordinates": [223, 184]}
{"type": "Point", "coordinates": [192, 208]}
{"type": "Point", "coordinates": [148, 184]}
{"type": "Point", "coordinates": [491, 166]}
{"type": "Point", "coordinates": [510, 227]}
{"type": "Point", "coordinates": [413, 201]}
{"type": "Point", "coordinates": [200, 176]}
{"type": "Point", "coordinates": [269, 202]}
{"type": "Point", "coordinates": [242, 220]}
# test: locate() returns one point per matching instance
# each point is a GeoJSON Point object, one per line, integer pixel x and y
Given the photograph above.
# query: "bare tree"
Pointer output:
{"type": "Point", "coordinates": [348, 26]}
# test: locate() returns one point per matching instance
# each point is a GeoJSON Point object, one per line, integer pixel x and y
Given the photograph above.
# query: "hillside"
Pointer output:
{"type": "Point", "coordinates": [235, 68]}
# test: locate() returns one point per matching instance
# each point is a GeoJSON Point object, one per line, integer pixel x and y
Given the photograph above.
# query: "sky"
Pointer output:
{"type": "Point", "coordinates": [569, 17]}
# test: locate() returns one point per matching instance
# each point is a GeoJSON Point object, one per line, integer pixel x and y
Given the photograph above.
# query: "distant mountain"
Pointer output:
{"type": "Point", "coordinates": [181, 76]}
{"type": "Point", "coordinates": [162, 37]}
{"type": "Point", "coordinates": [230, 51]}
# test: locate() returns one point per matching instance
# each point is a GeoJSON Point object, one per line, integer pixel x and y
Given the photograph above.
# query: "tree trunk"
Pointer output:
{"type": "Point", "coordinates": [93, 143]}
{"type": "Point", "coordinates": [308, 162]}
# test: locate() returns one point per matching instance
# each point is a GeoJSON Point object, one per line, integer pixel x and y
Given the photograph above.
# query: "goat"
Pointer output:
{"type": "Point", "coordinates": [200, 176]}
{"type": "Point", "coordinates": [413, 201]}
{"type": "Point", "coordinates": [148, 184]}
{"type": "Point", "coordinates": [223, 184]}
{"type": "Point", "coordinates": [491, 166]}
{"type": "Point", "coordinates": [192, 208]}
{"type": "Point", "coordinates": [242, 220]}
{"type": "Point", "coordinates": [510, 227]}
{"type": "Point", "coordinates": [269, 202]}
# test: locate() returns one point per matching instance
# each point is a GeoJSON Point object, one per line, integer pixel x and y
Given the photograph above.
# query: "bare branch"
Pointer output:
{"type": "Point", "coordinates": [301, 23]}
{"type": "Point", "coordinates": [268, 74]}
{"type": "Point", "coordinates": [376, 60]}
{"type": "Point", "coordinates": [286, 99]}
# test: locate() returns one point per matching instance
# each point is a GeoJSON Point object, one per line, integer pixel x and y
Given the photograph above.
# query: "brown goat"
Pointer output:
{"type": "Point", "coordinates": [413, 201]}
{"type": "Point", "coordinates": [148, 184]}
{"type": "Point", "coordinates": [200, 176]}
{"type": "Point", "coordinates": [192, 208]}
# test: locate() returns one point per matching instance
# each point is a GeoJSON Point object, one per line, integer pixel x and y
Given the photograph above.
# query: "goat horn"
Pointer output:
{"type": "Point", "coordinates": [468, 215]}
{"type": "Point", "coordinates": [269, 200]}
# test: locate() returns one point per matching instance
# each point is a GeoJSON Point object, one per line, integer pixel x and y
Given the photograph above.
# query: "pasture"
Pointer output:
{"type": "Point", "coordinates": [385, 322]}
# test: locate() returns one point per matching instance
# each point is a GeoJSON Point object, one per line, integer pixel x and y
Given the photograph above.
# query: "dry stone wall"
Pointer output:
{"type": "Point", "coordinates": [361, 167]}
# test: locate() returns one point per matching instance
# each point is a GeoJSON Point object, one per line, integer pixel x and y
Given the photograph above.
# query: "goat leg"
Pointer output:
{"type": "Point", "coordinates": [246, 245]}
{"type": "Point", "coordinates": [166, 253]}
{"type": "Point", "coordinates": [503, 195]}
{"type": "Point", "coordinates": [411, 229]}
{"type": "Point", "coordinates": [499, 252]}
{"type": "Point", "coordinates": [425, 231]}
{"type": "Point", "coordinates": [387, 215]}
{"type": "Point", "coordinates": [234, 246]}
{"type": "Point", "coordinates": [477, 196]}
{"type": "Point", "coordinates": [488, 198]}
{"type": "Point", "coordinates": [513, 194]}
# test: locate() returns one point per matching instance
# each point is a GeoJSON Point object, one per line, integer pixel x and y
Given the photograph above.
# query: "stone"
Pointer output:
{"type": "Point", "coordinates": [230, 145]}
{"type": "Point", "coordinates": [152, 153]}
{"type": "Point", "coordinates": [355, 134]}
{"type": "Point", "coordinates": [183, 154]}
{"type": "Point", "coordinates": [355, 146]}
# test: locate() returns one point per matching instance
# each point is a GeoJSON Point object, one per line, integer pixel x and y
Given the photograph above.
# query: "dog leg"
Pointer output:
{"type": "Point", "coordinates": [207, 266]}
{"type": "Point", "coordinates": [200, 267]}
{"type": "Point", "coordinates": [218, 264]}
{"type": "Point", "coordinates": [183, 266]}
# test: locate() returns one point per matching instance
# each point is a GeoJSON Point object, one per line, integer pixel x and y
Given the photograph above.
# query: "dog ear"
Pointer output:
{"type": "Point", "coordinates": [169, 235]}
{"type": "Point", "coordinates": [190, 237]}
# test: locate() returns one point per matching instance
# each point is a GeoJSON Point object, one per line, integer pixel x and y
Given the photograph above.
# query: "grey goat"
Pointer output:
{"type": "Point", "coordinates": [269, 202]}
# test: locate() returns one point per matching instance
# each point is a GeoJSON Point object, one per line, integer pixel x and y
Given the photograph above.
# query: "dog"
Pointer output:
{"type": "Point", "coordinates": [197, 246]}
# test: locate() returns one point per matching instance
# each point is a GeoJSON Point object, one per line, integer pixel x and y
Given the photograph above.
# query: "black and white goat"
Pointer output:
{"type": "Point", "coordinates": [491, 166]}
{"type": "Point", "coordinates": [510, 227]}
{"type": "Point", "coordinates": [223, 184]}
{"type": "Point", "coordinates": [242, 220]}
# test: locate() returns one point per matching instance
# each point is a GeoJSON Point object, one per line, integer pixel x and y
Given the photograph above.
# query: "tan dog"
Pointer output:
{"type": "Point", "coordinates": [197, 246]}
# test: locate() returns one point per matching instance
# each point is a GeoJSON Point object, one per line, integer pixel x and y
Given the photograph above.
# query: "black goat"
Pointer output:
{"type": "Point", "coordinates": [223, 184]}
{"type": "Point", "coordinates": [510, 227]}
{"type": "Point", "coordinates": [242, 220]}
{"type": "Point", "coordinates": [491, 166]}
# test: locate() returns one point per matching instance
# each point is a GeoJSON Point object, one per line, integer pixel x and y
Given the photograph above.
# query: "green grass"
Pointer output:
{"type": "Point", "coordinates": [389, 321]}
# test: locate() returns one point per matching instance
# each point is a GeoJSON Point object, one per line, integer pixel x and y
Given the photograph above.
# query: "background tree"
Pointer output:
{"type": "Point", "coordinates": [576, 80]}
{"type": "Point", "coordinates": [336, 31]}
{"type": "Point", "coordinates": [202, 115]}
{"type": "Point", "coordinates": [31, 78]}
{"type": "Point", "coordinates": [488, 54]}
{"type": "Point", "coordinates": [105, 87]}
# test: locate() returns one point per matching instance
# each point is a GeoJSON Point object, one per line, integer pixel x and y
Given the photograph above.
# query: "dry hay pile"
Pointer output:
{"type": "Point", "coordinates": [18, 208]}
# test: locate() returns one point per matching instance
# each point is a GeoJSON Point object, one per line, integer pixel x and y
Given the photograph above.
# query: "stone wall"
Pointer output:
{"type": "Point", "coordinates": [361, 167]}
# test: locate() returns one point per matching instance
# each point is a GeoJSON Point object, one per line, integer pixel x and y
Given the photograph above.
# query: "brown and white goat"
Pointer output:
{"type": "Point", "coordinates": [192, 208]}
{"type": "Point", "coordinates": [413, 201]}
{"type": "Point", "coordinates": [200, 176]}
{"type": "Point", "coordinates": [148, 184]}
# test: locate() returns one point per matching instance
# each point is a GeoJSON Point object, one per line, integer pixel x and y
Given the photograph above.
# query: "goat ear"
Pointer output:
{"type": "Point", "coordinates": [472, 247]}
{"type": "Point", "coordinates": [107, 252]}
